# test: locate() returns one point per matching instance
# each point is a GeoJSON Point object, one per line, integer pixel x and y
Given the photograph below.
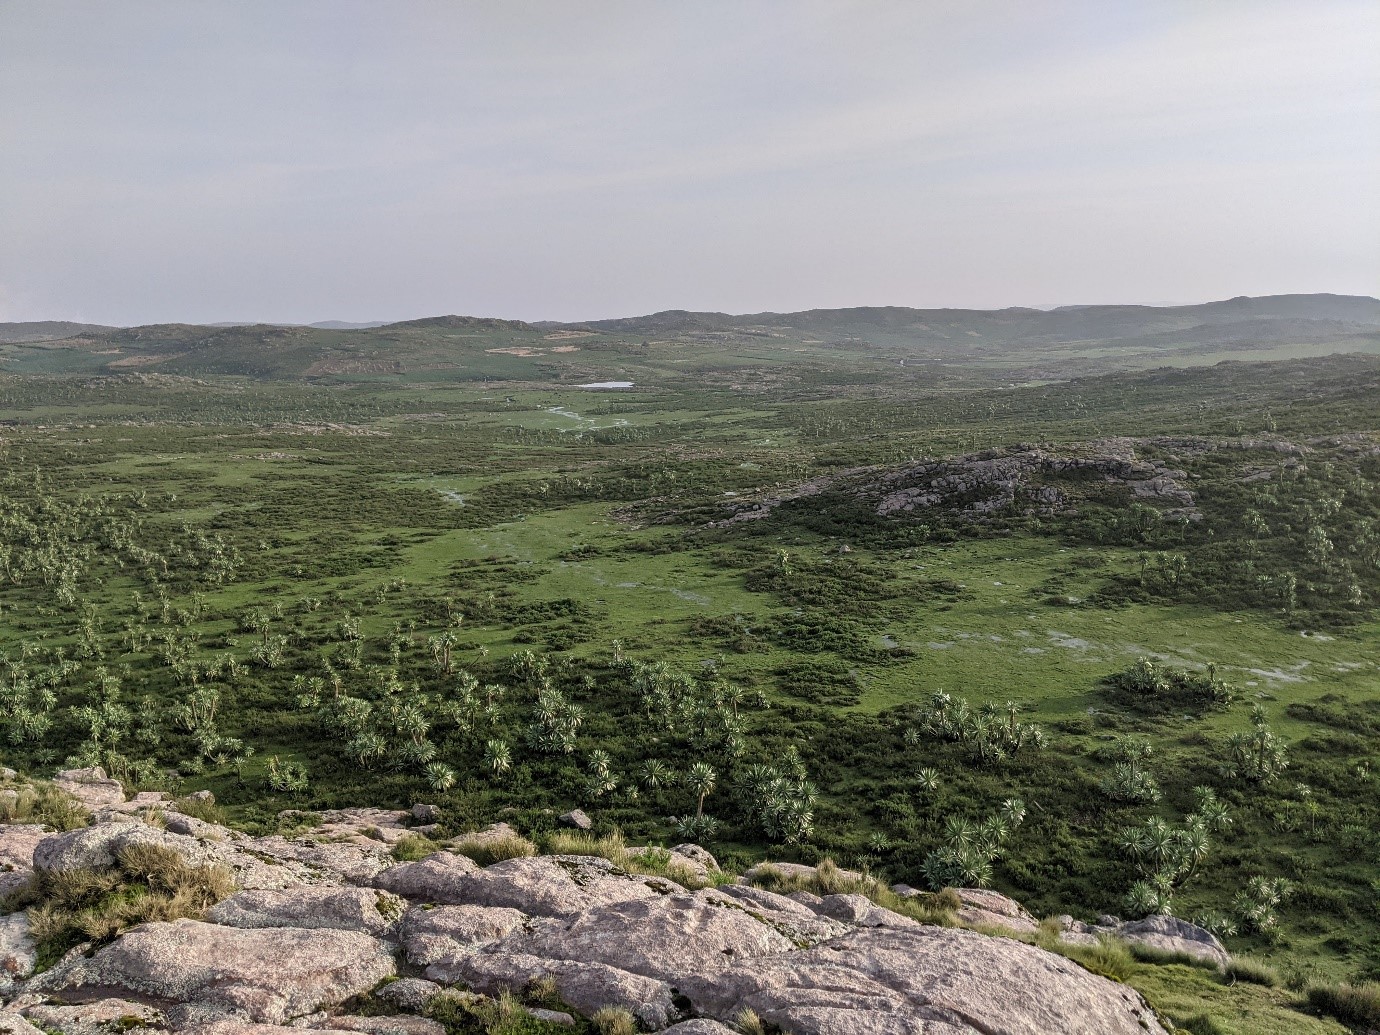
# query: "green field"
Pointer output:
{"type": "Point", "coordinates": [507, 595]}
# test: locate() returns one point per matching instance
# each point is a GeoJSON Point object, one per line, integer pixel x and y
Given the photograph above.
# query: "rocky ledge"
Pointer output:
{"type": "Point", "coordinates": [319, 924]}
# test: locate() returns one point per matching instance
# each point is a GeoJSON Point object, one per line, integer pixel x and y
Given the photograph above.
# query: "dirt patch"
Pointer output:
{"type": "Point", "coordinates": [145, 361]}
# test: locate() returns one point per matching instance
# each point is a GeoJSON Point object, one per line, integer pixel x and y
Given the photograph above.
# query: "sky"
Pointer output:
{"type": "Point", "coordinates": [542, 159]}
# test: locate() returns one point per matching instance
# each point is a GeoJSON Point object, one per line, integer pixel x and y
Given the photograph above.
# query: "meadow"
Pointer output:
{"type": "Point", "coordinates": [513, 596]}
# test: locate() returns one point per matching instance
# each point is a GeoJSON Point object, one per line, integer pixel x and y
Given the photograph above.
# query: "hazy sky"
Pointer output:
{"type": "Point", "coordinates": [347, 160]}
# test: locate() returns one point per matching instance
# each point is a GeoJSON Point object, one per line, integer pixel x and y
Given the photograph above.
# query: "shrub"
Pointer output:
{"type": "Point", "coordinates": [1351, 1004]}
{"type": "Point", "coordinates": [488, 850]}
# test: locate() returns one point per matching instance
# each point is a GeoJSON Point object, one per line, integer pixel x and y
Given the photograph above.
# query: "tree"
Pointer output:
{"type": "Point", "coordinates": [701, 779]}
{"type": "Point", "coordinates": [497, 758]}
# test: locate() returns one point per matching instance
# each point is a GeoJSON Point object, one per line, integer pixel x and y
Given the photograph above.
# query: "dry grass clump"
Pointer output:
{"type": "Point", "coordinates": [149, 882]}
{"type": "Point", "coordinates": [614, 1020]}
{"type": "Point", "coordinates": [749, 1023]}
{"type": "Point", "coordinates": [42, 803]}
{"type": "Point", "coordinates": [1356, 1005]}
{"type": "Point", "coordinates": [577, 842]}
{"type": "Point", "coordinates": [489, 849]}
{"type": "Point", "coordinates": [939, 908]}
{"type": "Point", "coordinates": [648, 862]}
{"type": "Point", "coordinates": [200, 808]}
{"type": "Point", "coordinates": [1243, 968]}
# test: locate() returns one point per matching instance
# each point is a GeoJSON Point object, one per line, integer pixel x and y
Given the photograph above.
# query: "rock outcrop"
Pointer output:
{"type": "Point", "coordinates": [328, 916]}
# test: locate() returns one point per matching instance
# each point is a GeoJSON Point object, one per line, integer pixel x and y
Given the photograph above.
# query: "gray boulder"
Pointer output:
{"type": "Point", "coordinates": [576, 818]}
{"type": "Point", "coordinates": [438, 935]}
{"type": "Point", "coordinates": [699, 1026]}
{"type": "Point", "coordinates": [1165, 933]}
{"type": "Point", "coordinates": [438, 878]}
{"type": "Point", "coordinates": [426, 814]}
{"type": "Point", "coordinates": [268, 975]}
{"type": "Point", "coordinates": [92, 787]}
{"type": "Point", "coordinates": [983, 907]}
{"type": "Point", "coordinates": [409, 994]}
{"type": "Point", "coordinates": [932, 979]}
{"type": "Point", "coordinates": [338, 908]}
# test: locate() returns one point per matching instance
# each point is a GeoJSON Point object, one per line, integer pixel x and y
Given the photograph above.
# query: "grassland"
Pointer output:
{"type": "Point", "coordinates": [201, 574]}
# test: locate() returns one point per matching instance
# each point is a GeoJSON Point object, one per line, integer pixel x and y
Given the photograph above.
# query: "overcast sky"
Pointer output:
{"type": "Point", "coordinates": [302, 161]}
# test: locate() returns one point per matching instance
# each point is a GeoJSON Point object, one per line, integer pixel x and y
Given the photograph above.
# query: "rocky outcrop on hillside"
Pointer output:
{"type": "Point", "coordinates": [1034, 479]}
{"type": "Point", "coordinates": [326, 932]}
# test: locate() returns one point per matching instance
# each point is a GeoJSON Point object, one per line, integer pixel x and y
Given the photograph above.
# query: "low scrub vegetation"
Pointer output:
{"type": "Point", "coordinates": [148, 882]}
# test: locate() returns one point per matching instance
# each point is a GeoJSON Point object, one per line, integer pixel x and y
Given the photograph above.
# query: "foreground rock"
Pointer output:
{"type": "Point", "coordinates": [344, 909]}
{"type": "Point", "coordinates": [934, 980]}
{"type": "Point", "coordinates": [270, 975]}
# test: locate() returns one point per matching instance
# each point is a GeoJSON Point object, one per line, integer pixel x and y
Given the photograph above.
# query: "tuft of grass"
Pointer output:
{"type": "Point", "coordinates": [1110, 957]}
{"type": "Point", "coordinates": [938, 909]}
{"type": "Point", "coordinates": [749, 1023]}
{"type": "Point", "coordinates": [1357, 1005]}
{"type": "Point", "coordinates": [1164, 957]}
{"type": "Point", "coordinates": [148, 883]}
{"type": "Point", "coordinates": [1243, 968]}
{"type": "Point", "coordinates": [44, 803]}
{"type": "Point", "coordinates": [488, 850]}
{"type": "Point", "coordinates": [413, 847]}
{"type": "Point", "coordinates": [200, 808]}
{"type": "Point", "coordinates": [614, 1020]}
{"type": "Point", "coordinates": [577, 842]}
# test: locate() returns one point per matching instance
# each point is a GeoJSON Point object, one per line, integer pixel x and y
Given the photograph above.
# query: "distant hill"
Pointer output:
{"type": "Point", "coordinates": [466, 323]}
{"type": "Point", "coordinates": [1066, 323]}
{"type": "Point", "coordinates": [872, 342]}
{"type": "Point", "coordinates": [46, 330]}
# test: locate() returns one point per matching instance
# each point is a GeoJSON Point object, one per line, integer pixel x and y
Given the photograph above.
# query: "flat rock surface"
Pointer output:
{"type": "Point", "coordinates": [934, 980]}
{"type": "Point", "coordinates": [92, 787]}
{"type": "Point", "coordinates": [438, 878]}
{"type": "Point", "coordinates": [662, 937]}
{"type": "Point", "coordinates": [269, 975]}
{"type": "Point", "coordinates": [18, 953]}
{"type": "Point", "coordinates": [17, 844]}
{"type": "Point", "coordinates": [97, 1018]}
{"type": "Point", "coordinates": [339, 908]}
{"type": "Point", "coordinates": [557, 885]}
{"type": "Point", "coordinates": [445, 932]}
